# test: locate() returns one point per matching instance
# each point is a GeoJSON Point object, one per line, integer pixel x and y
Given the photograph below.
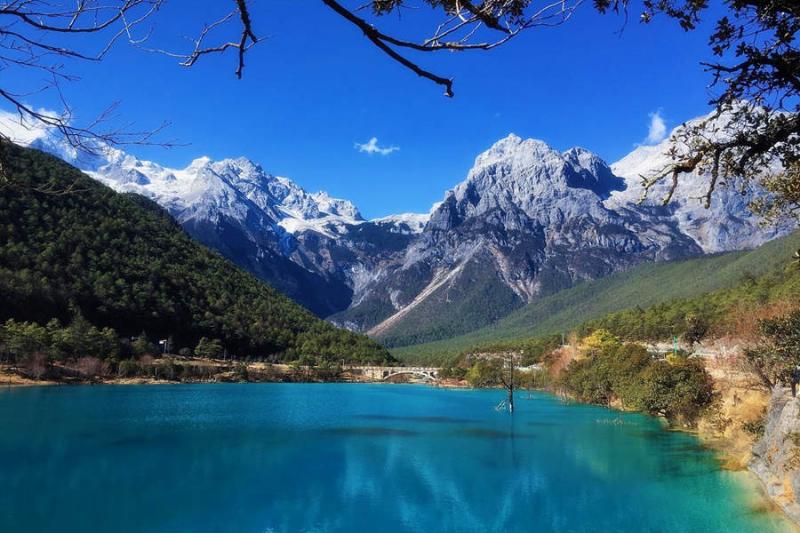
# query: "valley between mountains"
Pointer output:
{"type": "Point", "coordinates": [527, 222]}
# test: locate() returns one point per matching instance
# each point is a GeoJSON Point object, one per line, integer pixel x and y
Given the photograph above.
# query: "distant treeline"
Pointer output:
{"type": "Point", "coordinates": [720, 312]}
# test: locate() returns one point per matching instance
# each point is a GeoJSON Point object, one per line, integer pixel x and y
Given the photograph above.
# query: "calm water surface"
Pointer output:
{"type": "Point", "coordinates": [287, 457]}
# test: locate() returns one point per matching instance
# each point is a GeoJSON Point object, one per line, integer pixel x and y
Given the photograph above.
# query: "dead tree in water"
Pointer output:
{"type": "Point", "coordinates": [509, 383]}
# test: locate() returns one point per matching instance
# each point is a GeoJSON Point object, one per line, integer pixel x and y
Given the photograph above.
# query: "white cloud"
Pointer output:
{"type": "Point", "coordinates": [372, 147]}
{"type": "Point", "coordinates": [658, 128]}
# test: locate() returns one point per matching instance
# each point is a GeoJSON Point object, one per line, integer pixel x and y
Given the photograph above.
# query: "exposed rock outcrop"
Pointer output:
{"type": "Point", "coordinates": [776, 456]}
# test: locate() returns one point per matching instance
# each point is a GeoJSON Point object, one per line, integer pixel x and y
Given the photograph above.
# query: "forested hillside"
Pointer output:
{"type": "Point", "coordinates": [71, 246]}
{"type": "Point", "coordinates": [754, 275]}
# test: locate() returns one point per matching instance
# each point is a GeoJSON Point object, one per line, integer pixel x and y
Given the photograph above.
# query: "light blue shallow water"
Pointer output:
{"type": "Point", "coordinates": [290, 457]}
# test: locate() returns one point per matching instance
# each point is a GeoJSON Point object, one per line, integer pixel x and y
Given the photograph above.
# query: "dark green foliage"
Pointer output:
{"type": "Point", "coordinates": [611, 373]}
{"type": "Point", "coordinates": [123, 263]}
{"type": "Point", "coordinates": [141, 345]}
{"type": "Point", "coordinates": [19, 340]}
{"type": "Point", "coordinates": [696, 328]}
{"type": "Point", "coordinates": [678, 390]}
{"type": "Point", "coordinates": [777, 359]}
{"type": "Point", "coordinates": [211, 348]}
{"type": "Point", "coordinates": [127, 368]}
{"type": "Point", "coordinates": [453, 372]}
{"type": "Point", "coordinates": [485, 373]}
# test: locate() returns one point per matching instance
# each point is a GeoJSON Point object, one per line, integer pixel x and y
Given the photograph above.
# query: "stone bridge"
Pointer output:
{"type": "Point", "coordinates": [382, 373]}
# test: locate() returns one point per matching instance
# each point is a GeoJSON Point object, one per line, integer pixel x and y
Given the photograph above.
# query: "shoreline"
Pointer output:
{"type": "Point", "coordinates": [207, 371]}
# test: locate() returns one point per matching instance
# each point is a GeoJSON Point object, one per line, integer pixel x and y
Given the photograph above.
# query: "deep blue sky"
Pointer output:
{"type": "Point", "coordinates": [315, 86]}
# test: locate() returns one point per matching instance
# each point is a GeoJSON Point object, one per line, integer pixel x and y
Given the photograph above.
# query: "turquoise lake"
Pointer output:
{"type": "Point", "coordinates": [339, 457]}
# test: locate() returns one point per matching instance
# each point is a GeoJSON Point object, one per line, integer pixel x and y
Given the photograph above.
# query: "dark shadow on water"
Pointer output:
{"type": "Point", "coordinates": [370, 432]}
{"type": "Point", "coordinates": [652, 435]}
{"type": "Point", "coordinates": [484, 433]}
{"type": "Point", "coordinates": [674, 471]}
{"type": "Point", "coordinates": [427, 419]}
{"type": "Point", "coordinates": [689, 448]}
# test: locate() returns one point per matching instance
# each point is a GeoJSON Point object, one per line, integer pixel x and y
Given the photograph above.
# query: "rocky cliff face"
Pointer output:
{"type": "Point", "coordinates": [776, 456]}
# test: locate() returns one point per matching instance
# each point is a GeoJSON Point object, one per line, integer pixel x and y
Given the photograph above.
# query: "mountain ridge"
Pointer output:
{"type": "Point", "coordinates": [527, 221]}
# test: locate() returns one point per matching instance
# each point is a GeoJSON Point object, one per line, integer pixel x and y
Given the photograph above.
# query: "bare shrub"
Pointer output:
{"type": "Point", "coordinates": [90, 366]}
{"type": "Point", "coordinates": [36, 365]}
{"type": "Point", "coordinates": [742, 321]}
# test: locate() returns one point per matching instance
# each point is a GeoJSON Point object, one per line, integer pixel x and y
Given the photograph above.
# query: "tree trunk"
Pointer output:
{"type": "Point", "coordinates": [511, 388]}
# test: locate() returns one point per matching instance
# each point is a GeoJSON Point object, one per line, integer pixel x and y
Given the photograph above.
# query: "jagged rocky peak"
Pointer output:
{"type": "Point", "coordinates": [532, 166]}
{"type": "Point", "coordinates": [532, 177]}
{"type": "Point", "coordinates": [513, 151]}
{"type": "Point", "coordinates": [589, 171]}
{"type": "Point", "coordinates": [238, 169]}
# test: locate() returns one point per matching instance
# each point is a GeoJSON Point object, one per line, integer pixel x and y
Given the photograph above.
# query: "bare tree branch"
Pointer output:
{"type": "Point", "coordinates": [43, 34]}
{"type": "Point", "coordinates": [465, 19]}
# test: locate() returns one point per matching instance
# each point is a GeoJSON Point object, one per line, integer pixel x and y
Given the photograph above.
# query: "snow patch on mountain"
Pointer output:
{"type": "Point", "coordinates": [406, 223]}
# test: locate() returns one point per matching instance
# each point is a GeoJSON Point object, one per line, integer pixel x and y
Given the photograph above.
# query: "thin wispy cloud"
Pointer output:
{"type": "Point", "coordinates": [372, 147]}
{"type": "Point", "coordinates": [658, 128]}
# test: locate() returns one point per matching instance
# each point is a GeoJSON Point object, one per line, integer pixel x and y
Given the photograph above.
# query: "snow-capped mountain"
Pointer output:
{"type": "Point", "coordinates": [267, 224]}
{"type": "Point", "coordinates": [726, 225]}
{"type": "Point", "coordinates": [209, 190]}
{"type": "Point", "coordinates": [527, 221]}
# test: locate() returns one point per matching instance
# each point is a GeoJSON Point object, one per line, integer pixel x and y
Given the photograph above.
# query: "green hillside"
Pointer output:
{"type": "Point", "coordinates": [721, 311]}
{"type": "Point", "coordinates": [69, 246]}
{"type": "Point", "coordinates": [644, 286]}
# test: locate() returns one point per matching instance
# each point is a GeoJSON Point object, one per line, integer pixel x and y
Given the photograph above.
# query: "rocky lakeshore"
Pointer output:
{"type": "Point", "coordinates": [776, 456]}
